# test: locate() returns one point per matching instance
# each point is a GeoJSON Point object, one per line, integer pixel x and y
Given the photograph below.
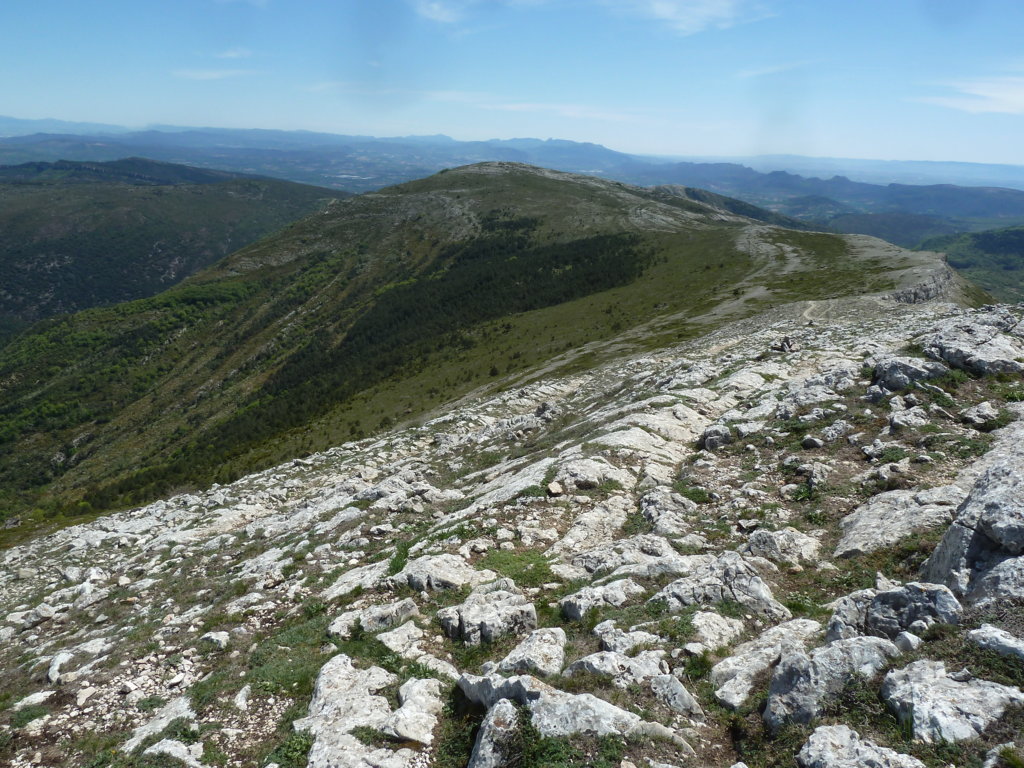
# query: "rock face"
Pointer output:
{"type": "Point", "coordinates": [980, 556]}
{"type": "Point", "coordinates": [496, 733]}
{"type": "Point", "coordinates": [938, 707]}
{"type": "Point", "coordinates": [994, 639]}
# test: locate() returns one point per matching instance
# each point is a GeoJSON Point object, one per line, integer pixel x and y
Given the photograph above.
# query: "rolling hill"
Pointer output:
{"type": "Point", "coordinates": [75, 235]}
{"type": "Point", "coordinates": [381, 307]}
{"type": "Point", "coordinates": [993, 259]}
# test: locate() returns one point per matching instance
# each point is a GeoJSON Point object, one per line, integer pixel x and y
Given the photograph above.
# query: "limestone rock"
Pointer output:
{"type": "Point", "coordinates": [974, 346]}
{"type": "Point", "coordinates": [541, 653]}
{"type": "Point", "coordinates": [980, 555]}
{"type": "Point", "coordinates": [788, 546]}
{"type": "Point", "coordinates": [405, 641]}
{"type": "Point", "coordinates": [614, 639]}
{"type": "Point", "coordinates": [374, 618]}
{"type": "Point", "coordinates": [615, 594]}
{"type": "Point", "coordinates": [416, 717]}
{"type": "Point", "coordinates": [728, 578]}
{"type": "Point", "coordinates": [436, 572]}
{"type": "Point", "coordinates": [897, 373]}
{"type": "Point", "coordinates": [621, 669]}
{"type": "Point", "coordinates": [734, 676]}
{"type": "Point", "coordinates": [836, 746]}
{"type": "Point", "coordinates": [488, 613]}
{"type": "Point", "coordinates": [670, 692]}
{"type": "Point", "coordinates": [801, 683]}
{"type": "Point", "coordinates": [998, 640]}
{"type": "Point", "coordinates": [172, 710]}
{"type": "Point", "coordinates": [914, 606]}
{"type": "Point", "coordinates": [496, 732]}
{"type": "Point", "coordinates": [939, 708]}
{"type": "Point", "coordinates": [889, 517]}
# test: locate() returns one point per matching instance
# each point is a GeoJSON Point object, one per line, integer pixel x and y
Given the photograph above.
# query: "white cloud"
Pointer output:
{"type": "Point", "coordinates": [436, 10]}
{"type": "Point", "coordinates": [691, 16]}
{"type": "Point", "coordinates": [234, 53]}
{"type": "Point", "coordinates": [991, 94]}
{"type": "Point", "coordinates": [209, 74]}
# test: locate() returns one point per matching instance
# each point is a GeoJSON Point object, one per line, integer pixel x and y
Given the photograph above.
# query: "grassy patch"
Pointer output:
{"type": "Point", "coordinates": [528, 568]}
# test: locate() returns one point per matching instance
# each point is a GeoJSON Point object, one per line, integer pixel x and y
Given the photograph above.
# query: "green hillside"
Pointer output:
{"type": "Point", "coordinates": [378, 309]}
{"type": "Point", "coordinates": [993, 259]}
{"type": "Point", "coordinates": [78, 235]}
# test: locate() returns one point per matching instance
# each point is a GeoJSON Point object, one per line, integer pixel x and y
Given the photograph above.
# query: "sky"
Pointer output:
{"type": "Point", "coordinates": [882, 79]}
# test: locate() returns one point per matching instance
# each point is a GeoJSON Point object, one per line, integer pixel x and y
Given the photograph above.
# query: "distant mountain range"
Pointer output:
{"type": "Point", "coordinates": [904, 213]}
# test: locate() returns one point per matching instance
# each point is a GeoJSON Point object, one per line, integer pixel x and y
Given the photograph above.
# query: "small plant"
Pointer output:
{"type": "Point", "coordinates": [26, 715]}
{"type": "Point", "coordinates": [399, 559]}
{"type": "Point", "coordinates": [636, 524]}
{"type": "Point", "coordinates": [293, 752]}
{"type": "Point", "coordinates": [371, 737]}
{"type": "Point", "coordinates": [694, 493]}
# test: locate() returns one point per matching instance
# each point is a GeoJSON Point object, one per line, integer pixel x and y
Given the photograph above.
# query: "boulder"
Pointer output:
{"type": "Point", "coordinates": [802, 683]}
{"type": "Point", "coordinates": [541, 653]}
{"type": "Point", "coordinates": [727, 578]}
{"type": "Point", "coordinates": [495, 736]}
{"type": "Point", "coordinates": [836, 746]}
{"type": "Point", "coordinates": [997, 640]}
{"type": "Point", "coordinates": [887, 613]}
{"type": "Point", "coordinates": [614, 639]}
{"type": "Point", "coordinates": [889, 517]}
{"type": "Point", "coordinates": [898, 373]}
{"type": "Point", "coordinates": [734, 676]}
{"type": "Point", "coordinates": [977, 345]}
{"type": "Point", "coordinates": [621, 669]}
{"type": "Point", "coordinates": [491, 611]}
{"type": "Point", "coordinates": [670, 692]}
{"type": "Point", "coordinates": [788, 546]}
{"type": "Point", "coordinates": [937, 707]}
{"type": "Point", "coordinates": [416, 717]}
{"type": "Point", "coordinates": [374, 618]}
{"type": "Point", "coordinates": [437, 572]}
{"type": "Point", "coordinates": [615, 594]}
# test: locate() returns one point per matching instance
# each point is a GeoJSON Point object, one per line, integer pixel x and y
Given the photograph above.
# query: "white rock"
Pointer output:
{"type": "Point", "coordinates": [836, 746]}
{"type": "Point", "coordinates": [938, 708]}
{"type": "Point", "coordinates": [734, 676]}
{"type": "Point", "coordinates": [541, 653]}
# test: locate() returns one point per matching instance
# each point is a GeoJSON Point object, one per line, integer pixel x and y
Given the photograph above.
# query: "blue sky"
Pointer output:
{"type": "Point", "coordinates": [892, 79]}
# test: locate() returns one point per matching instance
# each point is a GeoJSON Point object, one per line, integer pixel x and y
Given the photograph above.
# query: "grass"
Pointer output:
{"type": "Point", "coordinates": [694, 493]}
{"type": "Point", "coordinates": [293, 752]}
{"type": "Point", "coordinates": [528, 568]}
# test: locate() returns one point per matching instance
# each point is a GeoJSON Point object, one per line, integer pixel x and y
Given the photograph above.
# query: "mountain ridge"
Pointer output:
{"type": "Point", "coordinates": [384, 306]}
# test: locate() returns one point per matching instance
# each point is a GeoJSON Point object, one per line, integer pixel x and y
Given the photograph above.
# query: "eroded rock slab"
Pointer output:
{"type": "Point", "coordinates": [938, 707]}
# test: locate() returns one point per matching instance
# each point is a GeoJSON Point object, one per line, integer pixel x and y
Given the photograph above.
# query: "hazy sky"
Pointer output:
{"type": "Point", "coordinates": [890, 79]}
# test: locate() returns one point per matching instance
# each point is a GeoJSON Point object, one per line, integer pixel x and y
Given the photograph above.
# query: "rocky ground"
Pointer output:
{"type": "Point", "coordinates": [794, 542]}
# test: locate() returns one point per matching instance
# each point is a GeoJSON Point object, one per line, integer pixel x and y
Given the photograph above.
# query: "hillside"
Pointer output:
{"type": "Point", "coordinates": [384, 306]}
{"type": "Point", "coordinates": [792, 541]}
{"type": "Point", "coordinates": [75, 235]}
{"type": "Point", "coordinates": [993, 259]}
